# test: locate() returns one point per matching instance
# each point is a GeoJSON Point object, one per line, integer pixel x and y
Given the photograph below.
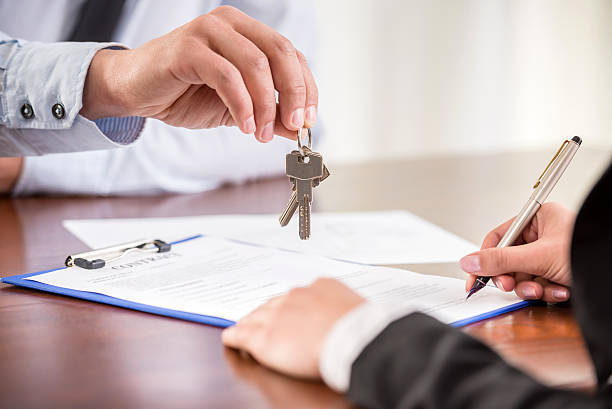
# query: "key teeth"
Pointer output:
{"type": "Point", "coordinates": [305, 221]}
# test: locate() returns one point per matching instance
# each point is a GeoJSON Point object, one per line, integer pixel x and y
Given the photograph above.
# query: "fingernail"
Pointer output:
{"type": "Point", "coordinates": [529, 293]}
{"type": "Point", "coordinates": [311, 116]}
{"type": "Point", "coordinates": [249, 125]}
{"type": "Point", "coordinates": [560, 294]}
{"type": "Point", "coordinates": [498, 283]}
{"type": "Point", "coordinates": [268, 132]}
{"type": "Point", "coordinates": [297, 119]}
{"type": "Point", "coordinates": [470, 264]}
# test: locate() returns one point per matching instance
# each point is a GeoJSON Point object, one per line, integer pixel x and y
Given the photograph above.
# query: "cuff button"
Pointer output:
{"type": "Point", "coordinates": [27, 112]}
{"type": "Point", "coordinates": [58, 111]}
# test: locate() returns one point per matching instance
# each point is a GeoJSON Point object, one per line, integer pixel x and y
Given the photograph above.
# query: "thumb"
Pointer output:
{"type": "Point", "coordinates": [501, 260]}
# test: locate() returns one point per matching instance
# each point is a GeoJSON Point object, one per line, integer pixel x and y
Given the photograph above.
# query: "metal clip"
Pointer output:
{"type": "Point", "coordinates": [98, 258]}
{"type": "Point", "coordinates": [550, 163]}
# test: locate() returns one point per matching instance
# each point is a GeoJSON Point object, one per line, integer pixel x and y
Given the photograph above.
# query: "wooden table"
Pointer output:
{"type": "Point", "coordinates": [58, 352]}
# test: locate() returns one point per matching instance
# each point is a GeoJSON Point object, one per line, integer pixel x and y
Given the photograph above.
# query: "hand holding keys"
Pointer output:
{"type": "Point", "coordinates": [306, 170]}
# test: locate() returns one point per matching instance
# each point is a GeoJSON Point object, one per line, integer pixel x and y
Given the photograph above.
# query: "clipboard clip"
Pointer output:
{"type": "Point", "coordinates": [94, 259]}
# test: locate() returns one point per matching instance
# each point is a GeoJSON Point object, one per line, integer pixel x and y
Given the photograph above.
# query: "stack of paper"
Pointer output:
{"type": "Point", "coordinates": [371, 238]}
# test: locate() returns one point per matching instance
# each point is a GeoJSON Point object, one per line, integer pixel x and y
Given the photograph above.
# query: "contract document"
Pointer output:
{"type": "Point", "coordinates": [395, 237]}
{"type": "Point", "coordinates": [215, 277]}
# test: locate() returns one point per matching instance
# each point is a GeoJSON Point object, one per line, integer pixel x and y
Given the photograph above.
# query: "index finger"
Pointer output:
{"type": "Point", "coordinates": [312, 93]}
{"type": "Point", "coordinates": [286, 68]}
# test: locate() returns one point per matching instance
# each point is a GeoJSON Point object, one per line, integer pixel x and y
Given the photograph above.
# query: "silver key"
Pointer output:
{"type": "Point", "coordinates": [292, 206]}
{"type": "Point", "coordinates": [304, 169]}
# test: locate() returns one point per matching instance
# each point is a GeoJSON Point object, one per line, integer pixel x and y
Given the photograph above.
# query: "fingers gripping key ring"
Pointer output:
{"type": "Point", "coordinates": [299, 140]}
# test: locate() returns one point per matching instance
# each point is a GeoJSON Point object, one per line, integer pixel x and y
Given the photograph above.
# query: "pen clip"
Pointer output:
{"type": "Point", "coordinates": [550, 163]}
{"type": "Point", "coordinates": [95, 259]}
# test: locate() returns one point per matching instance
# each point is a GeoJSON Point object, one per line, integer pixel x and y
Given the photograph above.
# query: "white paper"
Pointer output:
{"type": "Point", "coordinates": [371, 237]}
{"type": "Point", "coordinates": [225, 279]}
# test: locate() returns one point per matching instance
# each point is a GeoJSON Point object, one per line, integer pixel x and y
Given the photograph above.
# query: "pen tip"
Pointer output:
{"type": "Point", "coordinates": [474, 290]}
{"type": "Point", "coordinates": [577, 139]}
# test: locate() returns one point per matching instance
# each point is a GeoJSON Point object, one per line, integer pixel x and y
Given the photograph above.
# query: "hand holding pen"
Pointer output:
{"type": "Point", "coordinates": [537, 264]}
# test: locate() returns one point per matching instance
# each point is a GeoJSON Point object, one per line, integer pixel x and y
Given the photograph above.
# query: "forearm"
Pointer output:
{"type": "Point", "coordinates": [417, 361]}
{"type": "Point", "coordinates": [10, 169]}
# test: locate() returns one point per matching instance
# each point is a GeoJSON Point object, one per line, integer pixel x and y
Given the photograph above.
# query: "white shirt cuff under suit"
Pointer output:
{"type": "Point", "coordinates": [350, 335]}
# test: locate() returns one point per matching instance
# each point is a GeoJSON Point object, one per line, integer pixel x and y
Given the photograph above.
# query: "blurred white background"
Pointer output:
{"type": "Point", "coordinates": [435, 77]}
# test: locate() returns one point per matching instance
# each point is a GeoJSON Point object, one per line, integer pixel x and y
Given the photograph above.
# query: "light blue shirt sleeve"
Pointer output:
{"type": "Point", "coordinates": [41, 91]}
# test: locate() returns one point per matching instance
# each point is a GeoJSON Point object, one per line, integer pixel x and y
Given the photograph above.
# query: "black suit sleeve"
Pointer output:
{"type": "Point", "coordinates": [417, 362]}
{"type": "Point", "coordinates": [592, 272]}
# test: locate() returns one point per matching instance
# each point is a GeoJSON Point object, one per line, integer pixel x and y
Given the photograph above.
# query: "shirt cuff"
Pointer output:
{"type": "Point", "coordinates": [123, 131]}
{"type": "Point", "coordinates": [350, 335]}
{"type": "Point", "coordinates": [43, 83]}
{"type": "Point", "coordinates": [42, 90]}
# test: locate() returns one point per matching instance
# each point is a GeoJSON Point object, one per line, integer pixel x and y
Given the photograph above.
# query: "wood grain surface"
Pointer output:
{"type": "Point", "coordinates": [59, 352]}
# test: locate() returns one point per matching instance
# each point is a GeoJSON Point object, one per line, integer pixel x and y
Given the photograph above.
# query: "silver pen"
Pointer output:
{"type": "Point", "coordinates": [542, 188]}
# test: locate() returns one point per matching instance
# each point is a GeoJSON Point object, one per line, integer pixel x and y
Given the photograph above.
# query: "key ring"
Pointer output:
{"type": "Point", "coordinates": [299, 140]}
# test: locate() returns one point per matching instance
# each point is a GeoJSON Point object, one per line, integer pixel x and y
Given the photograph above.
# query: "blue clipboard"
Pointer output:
{"type": "Point", "coordinates": [20, 280]}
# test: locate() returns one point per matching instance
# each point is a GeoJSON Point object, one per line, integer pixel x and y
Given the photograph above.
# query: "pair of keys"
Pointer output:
{"type": "Point", "coordinates": [306, 170]}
